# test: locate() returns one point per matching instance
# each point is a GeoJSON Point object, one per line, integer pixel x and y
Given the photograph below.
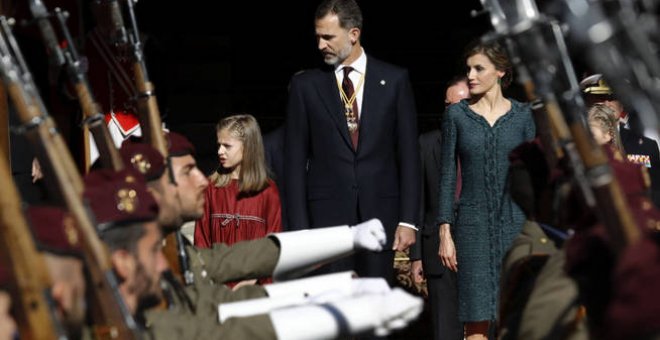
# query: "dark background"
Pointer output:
{"type": "Point", "coordinates": [209, 63]}
{"type": "Point", "coordinates": [209, 60]}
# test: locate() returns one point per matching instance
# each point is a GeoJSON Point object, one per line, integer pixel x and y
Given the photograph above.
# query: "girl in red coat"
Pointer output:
{"type": "Point", "coordinates": [242, 203]}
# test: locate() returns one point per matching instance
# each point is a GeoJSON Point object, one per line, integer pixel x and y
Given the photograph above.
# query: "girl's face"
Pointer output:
{"type": "Point", "coordinates": [482, 74]}
{"type": "Point", "coordinates": [230, 150]}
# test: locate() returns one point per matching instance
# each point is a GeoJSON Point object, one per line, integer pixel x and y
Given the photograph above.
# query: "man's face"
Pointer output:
{"type": "Point", "coordinates": [334, 42]}
{"type": "Point", "coordinates": [456, 93]}
{"type": "Point", "coordinates": [68, 289]}
{"type": "Point", "coordinates": [191, 187]}
{"type": "Point", "coordinates": [150, 265]}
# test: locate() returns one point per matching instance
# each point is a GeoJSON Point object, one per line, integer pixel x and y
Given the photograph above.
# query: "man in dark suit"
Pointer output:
{"type": "Point", "coordinates": [441, 282]}
{"type": "Point", "coordinates": [350, 147]}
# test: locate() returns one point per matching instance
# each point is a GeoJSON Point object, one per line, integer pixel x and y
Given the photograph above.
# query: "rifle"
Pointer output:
{"type": "Point", "coordinates": [553, 74]}
{"type": "Point", "coordinates": [36, 315]}
{"type": "Point", "coordinates": [152, 131]}
{"type": "Point", "coordinates": [111, 318]}
{"type": "Point", "coordinates": [108, 154]}
{"type": "Point", "coordinates": [148, 111]}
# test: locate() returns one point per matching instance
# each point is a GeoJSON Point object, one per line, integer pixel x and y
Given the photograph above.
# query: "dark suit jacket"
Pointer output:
{"type": "Point", "coordinates": [427, 244]}
{"type": "Point", "coordinates": [327, 181]}
{"type": "Point", "coordinates": [274, 152]}
{"type": "Point", "coordinates": [637, 145]}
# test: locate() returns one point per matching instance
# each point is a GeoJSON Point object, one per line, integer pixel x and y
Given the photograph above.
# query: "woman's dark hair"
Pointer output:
{"type": "Point", "coordinates": [497, 55]}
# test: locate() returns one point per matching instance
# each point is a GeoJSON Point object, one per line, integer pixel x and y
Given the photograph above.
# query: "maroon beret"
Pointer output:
{"type": "Point", "coordinates": [144, 158]}
{"type": "Point", "coordinates": [54, 230]}
{"type": "Point", "coordinates": [178, 145]}
{"type": "Point", "coordinates": [118, 198]}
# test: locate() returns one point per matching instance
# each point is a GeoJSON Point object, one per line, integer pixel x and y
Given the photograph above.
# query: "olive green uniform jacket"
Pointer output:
{"type": "Point", "coordinates": [194, 312]}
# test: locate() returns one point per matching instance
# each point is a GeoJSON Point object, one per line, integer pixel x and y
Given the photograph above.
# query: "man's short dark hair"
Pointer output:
{"type": "Point", "coordinates": [125, 237]}
{"type": "Point", "coordinates": [348, 12]}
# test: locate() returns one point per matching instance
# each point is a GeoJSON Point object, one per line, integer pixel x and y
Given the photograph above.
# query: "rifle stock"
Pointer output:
{"type": "Point", "coordinates": [150, 121]}
{"type": "Point", "coordinates": [108, 153]}
{"type": "Point", "coordinates": [37, 319]}
{"type": "Point", "coordinates": [110, 315]}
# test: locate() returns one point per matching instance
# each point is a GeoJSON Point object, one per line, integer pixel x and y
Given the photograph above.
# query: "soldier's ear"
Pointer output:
{"type": "Point", "coordinates": [124, 263]}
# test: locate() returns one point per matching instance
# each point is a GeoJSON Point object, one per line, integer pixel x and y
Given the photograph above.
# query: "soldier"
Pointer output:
{"type": "Point", "coordinates": [129, 226]}
{"type": "Point", "coordinates": [57, 238]}
{"type": "Point", "coordinates": [222, 263]}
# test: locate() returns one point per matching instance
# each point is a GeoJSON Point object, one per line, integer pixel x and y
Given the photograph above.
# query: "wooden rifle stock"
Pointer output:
{"type": "Point", "coordinates": [36, 316]}
{"type": "Point", "coordinates": [112, 320]}
{"type": "Point", "coordinates": [152, 130]}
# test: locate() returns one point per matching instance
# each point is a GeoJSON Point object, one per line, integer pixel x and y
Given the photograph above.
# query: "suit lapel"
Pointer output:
{"type": "Point", "coordinates": [329, 94]}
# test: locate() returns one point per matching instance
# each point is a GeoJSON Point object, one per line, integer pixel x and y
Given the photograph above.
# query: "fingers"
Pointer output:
{"type": "Point", "coordinates": [403, 238]}
{"type": "Point", "coordinates": [395, 244]}
{"type": "Point", "coordinates": [449, 261]}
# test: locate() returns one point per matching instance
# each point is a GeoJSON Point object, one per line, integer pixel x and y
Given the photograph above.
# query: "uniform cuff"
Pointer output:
{"type": "Point", "coordinates": [408, 225]}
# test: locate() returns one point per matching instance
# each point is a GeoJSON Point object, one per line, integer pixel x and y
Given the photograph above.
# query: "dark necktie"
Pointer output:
{"type": "Point", "coordinates": [347, 86]}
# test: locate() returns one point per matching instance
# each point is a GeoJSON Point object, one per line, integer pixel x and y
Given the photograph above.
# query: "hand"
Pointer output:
{"type": "Point", "coordinates": [447, 251]}
{"type": "Point", "coordinates": [369, 235]}
{"type": "Point", "coordinates": [417, 271]}
{"type": "Point", "coordinates": [36, 171]}
{"type": "Point", "coordinates": [381, 313]}
{"type": "Point", "coordinates": [404, 237]}
{"type": "Point", "coordinates": [244, 283]}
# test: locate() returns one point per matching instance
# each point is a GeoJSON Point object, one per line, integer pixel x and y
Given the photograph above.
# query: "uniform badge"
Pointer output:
{"type": "Point", "coordinates": [127, 200]}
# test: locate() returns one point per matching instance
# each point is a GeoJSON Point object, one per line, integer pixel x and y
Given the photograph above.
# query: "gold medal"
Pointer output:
{"type": "Point", "coordinates": [351, 119]}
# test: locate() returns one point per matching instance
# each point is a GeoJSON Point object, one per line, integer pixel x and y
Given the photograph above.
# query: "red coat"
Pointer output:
{"type": "Point", "coordinates": [229, 219]}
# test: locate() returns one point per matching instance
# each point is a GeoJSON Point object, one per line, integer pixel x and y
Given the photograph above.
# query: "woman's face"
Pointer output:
{"type": "Point", "coordinates": [601, 136]}
{"type": "Point", "coordinates": [482, 74]}
{"type": "Point", "coordinates": [230, 150]}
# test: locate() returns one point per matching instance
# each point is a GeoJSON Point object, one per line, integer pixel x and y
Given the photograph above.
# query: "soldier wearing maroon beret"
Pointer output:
{"type": "Point", "coordinates": [257, 258]}
{"type": "Point", "coordinates": [126, 218]}
{"type": "Point", "coordinates": [619, 292]}
{"type": "Point", "coordinates": [176, 183]}
{"type": "Point", "coordinates": [56, 236]}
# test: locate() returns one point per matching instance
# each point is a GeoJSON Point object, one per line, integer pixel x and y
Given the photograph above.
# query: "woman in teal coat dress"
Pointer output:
{"type": "Point", "coordinates": [481, 132]}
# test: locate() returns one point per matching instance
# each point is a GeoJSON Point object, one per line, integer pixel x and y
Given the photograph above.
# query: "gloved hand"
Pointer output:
{"type": "Point", "coordinates": [369, 235]}
{"type": "Point", "coordinates": [381, 312]}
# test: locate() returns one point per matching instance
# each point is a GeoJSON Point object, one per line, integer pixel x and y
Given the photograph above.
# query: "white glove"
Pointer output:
{"type": "Point", "coordinates": [381, 312]}
{"type": "Point", "coordinates": [377, 313]}
{"type": "Point", "coordinates": [369, 285]}
{"type": "Point", "coordinates": [369, 235]}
